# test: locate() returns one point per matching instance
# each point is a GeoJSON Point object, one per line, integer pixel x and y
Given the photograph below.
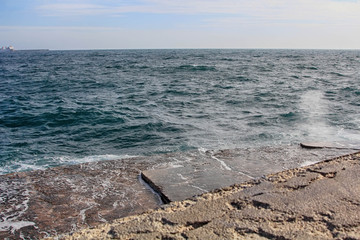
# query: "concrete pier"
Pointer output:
{"type": "Point", "coordinates": [320, 201]}
{"type": "Point", "coordinates": [67, 199]}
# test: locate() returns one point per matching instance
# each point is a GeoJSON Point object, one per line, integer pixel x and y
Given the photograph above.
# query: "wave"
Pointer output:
{"type": "Point", "coordinates": [194, 68]}
{"type": "Point", "coordinates": [46, 162]}
{"type": "Point", "coordinates": [75, 104]}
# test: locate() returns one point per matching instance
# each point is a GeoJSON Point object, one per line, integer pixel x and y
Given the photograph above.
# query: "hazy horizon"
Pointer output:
{"type": "Point", "coordinates": [196, 24]}
{"type": "Point", "coordinates": [120, 49]}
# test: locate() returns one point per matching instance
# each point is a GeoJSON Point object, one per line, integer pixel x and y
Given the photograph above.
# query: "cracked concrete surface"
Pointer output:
{"type": "Point", "coordinates": [321, 201]}
{"type": "Point", "coordinates": [211, 170]}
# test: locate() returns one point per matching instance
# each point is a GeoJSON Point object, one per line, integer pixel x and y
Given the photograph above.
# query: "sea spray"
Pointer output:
{"type": "Point", "coordinates": [68, 107]}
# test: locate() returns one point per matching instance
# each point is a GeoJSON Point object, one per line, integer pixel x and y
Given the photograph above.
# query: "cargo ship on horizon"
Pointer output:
{"type": "Point", "coordinates": [7, 49]}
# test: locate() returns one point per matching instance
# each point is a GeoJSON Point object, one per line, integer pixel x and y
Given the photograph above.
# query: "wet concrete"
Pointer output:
{"type": "Point", "coordinates": [46, 203]}
{"type": "Point", "coordinates": [65, 199]}
{"type": "Point", "coordinates": [209, 170]}
{"type": "Point", "coordinates": [320, 201]}
{"type": "Point", "coordinates": [337, 145]}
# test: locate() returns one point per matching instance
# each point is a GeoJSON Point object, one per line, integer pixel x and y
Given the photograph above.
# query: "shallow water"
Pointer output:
{"type": "Point", "coordinates": [67, 107]}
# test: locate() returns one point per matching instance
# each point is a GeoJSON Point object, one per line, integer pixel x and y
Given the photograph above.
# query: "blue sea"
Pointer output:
{"type": "Point", "coordinates": [69, 107]}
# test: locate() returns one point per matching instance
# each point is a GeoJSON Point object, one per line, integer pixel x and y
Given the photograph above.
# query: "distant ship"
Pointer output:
{"type": "Point", "coordinates": [7, 49]}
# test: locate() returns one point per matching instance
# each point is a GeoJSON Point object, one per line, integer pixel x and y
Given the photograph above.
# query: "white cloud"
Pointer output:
{"type": "Point", "coordinates": [63, 9]}
{"type": "Point", "coordinates": [205, 6]}
{"type": "Point", "coordinates": [325, 11]}
{"type": "Point", "coordinates": [226, 23]}
{"type": "Point", "coordinates": [119, 38]}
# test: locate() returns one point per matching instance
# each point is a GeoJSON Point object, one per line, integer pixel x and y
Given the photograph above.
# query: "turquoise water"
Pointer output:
{"type": "Point", "coordinates": [68, 107]}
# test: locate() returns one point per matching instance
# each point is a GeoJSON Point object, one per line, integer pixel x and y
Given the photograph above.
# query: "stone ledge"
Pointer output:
{"type": "Point", "coordinates": [211, 170]}
{"type": "Point", "coordinates": [66, 199]}
{"type": "Point", "coordinates": [321, 201]}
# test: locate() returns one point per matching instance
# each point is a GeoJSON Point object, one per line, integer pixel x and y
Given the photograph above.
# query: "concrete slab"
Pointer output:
{"type": "Point", "coordinates": [175, 184]}
{"type": "Point", "coordinates": [200, 172]}
{"type": "Point", "coordinates": [330, 145]}
{"type": "Point", "coordinates": [321, 201]}
{"type": "Point", "coordinates": [44, 203]}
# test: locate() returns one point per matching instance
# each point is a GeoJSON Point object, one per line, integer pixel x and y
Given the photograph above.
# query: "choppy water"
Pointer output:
{"type": "Point", "coordinates": [66, 107]}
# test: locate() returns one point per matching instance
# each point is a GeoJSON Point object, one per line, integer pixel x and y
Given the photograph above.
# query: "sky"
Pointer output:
{"type": "Point", "coordinates": [139, 24]}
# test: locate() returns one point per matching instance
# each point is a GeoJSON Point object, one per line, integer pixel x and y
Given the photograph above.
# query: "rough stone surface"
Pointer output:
{"type": "Point", "coordinates": [337, 145]}
{"type": "Point", "coordinates": [65, 199]}
{"type": "Point", "coordinates": [321, 201]}
{"type": "Point", "coordinates": [196, 174]}
{"type": "Point", "coordinates": [37, 204]}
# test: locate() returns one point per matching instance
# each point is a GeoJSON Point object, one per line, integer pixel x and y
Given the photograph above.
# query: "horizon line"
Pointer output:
{"type": "Point", "coordinates": [189, 48]}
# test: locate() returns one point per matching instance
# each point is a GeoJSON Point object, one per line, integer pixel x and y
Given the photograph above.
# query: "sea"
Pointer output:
{"type": "Point", "coordinates": [69, 107]}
